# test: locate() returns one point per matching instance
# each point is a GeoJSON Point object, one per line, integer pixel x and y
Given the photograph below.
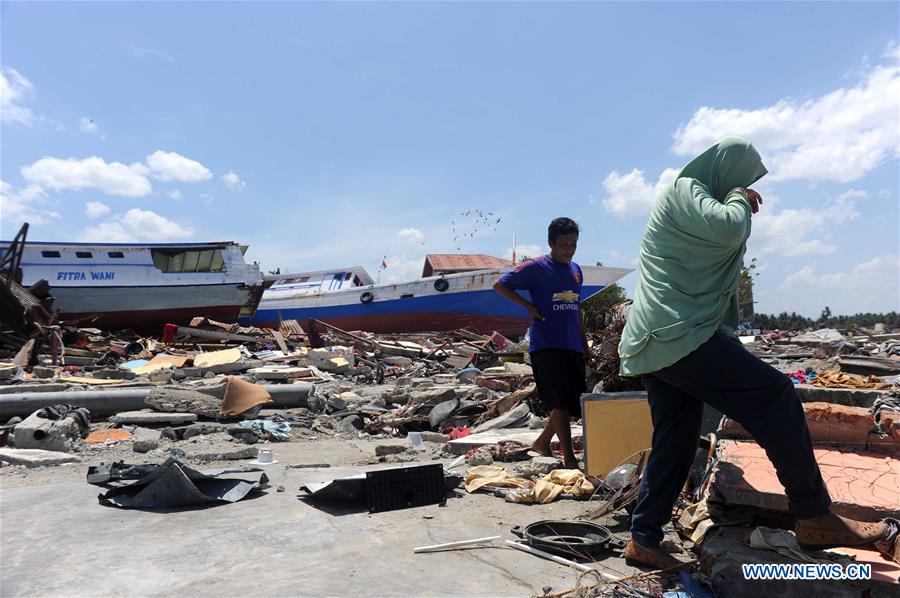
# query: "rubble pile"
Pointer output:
{"type": "Point", "coordinates": [214, 392]}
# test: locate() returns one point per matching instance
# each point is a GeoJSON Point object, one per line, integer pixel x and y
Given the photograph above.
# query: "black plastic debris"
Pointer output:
{"type": "Point", "coordinates": [173, 484]}
{"type": "Point", "coordinates": [391, 489]}
{"type": "Point", "coordinates": [387, 489]}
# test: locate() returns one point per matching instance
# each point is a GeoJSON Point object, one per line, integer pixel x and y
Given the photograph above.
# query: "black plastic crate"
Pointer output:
{"type": "Point", "coordinates": [390, 489]}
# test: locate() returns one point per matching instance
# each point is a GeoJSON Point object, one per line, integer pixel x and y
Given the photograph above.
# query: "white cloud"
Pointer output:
{"type": "Point", "coordinates": [24, 205]}
{"type": "Point", "coordinates": [870, 286]}
{"type": "Point", "coordinates": [630, 195]}
{"type": "Point", "coordinates": [95, 209]}
{"type": "Point", "coordinates": [151, 226]}
{"type": "Point", "coordinates": [136, 225]}
{"type": "Point", "coordinates": [794, 231]}
{"type": "Point", "coordinates": [233, 181]}
{"type": "Point", "coordinates": [86, 125]}
{"type": "Point", "coordinates": [107, 232]}
{"type": "Point", "coordinates": [175, 194]}
{"type": "Point", "coordinates": [839, 136]}
{"type": "Point", "coordinates": [411, 235]}
{"type": "Point", "coordinates": [14, 90]}
{"type": "Point", "coordinates": [170, 166]}
{"type": "Point", "coordinates": [113, 178]}
{"type": "Point", "coordinates": [524, 251]}
{"type": "Point", "coordinates": [402, 269]}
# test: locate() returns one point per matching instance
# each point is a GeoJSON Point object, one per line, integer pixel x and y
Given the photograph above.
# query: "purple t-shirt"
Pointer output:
{"type": "Point", "coordinates": [555, 290]}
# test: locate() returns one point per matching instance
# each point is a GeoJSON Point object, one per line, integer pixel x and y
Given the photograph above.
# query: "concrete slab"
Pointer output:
{"type": "Point", "coordinates": [461, 446]}
{"type": "Point", "coordinates": [841, 396]}
{"type": "Point", "coordinates": [862, 485]}
{"type": "Point", "coordinates": [35, 457]}
{"type": "Point", "coordinates": [274, 541]}
{"type": "Point", "coordinates": [152, 417]}
{"type": "Point", "coordinates": [834, 424]}
{"type": "Point", "coordinates": [724, 551]}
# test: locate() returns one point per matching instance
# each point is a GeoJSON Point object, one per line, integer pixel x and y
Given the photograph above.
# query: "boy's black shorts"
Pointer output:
{"type": "Point", "coordinates": [560, 378]}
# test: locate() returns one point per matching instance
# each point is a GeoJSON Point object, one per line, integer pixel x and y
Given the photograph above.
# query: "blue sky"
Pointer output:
{"type": "Point", "coordinates": [328, 134]}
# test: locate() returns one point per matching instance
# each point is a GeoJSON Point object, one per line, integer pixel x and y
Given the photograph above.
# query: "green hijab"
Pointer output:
{"type": "Point", "coordinates": [691, 257]}
{"type": "Point", "coordinates": [733, 162]}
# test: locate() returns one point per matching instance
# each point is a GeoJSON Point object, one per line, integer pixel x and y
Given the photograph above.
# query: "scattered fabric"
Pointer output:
{"type": "Point", "coordinates": [111, 435]}
{"type": "Point", "coordinates": [836, 379]}
{"type": "Point", "coordinates": [889, 545]}
{"type": "Point", "coordinates": [456, 432]}
{"type": "Point", "coordinates": [58, 412]}
{"type": "Point", "coordinates": [801, 377]}
{"type": "Point", "coordinates": [545, 490]}
{"type": "Point", "coordinates": [267, 429]}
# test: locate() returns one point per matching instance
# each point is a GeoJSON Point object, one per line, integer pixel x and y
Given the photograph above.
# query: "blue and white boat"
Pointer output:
{"type": "Point", "coordinates": [349, 299]}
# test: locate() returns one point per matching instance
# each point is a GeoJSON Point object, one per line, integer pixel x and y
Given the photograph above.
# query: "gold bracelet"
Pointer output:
{"type": "Point", "coordinates": [740, 191]}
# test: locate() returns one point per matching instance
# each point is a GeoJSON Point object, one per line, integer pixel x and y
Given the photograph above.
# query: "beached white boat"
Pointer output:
{"type": "Point", "coordinates": [143, 286]}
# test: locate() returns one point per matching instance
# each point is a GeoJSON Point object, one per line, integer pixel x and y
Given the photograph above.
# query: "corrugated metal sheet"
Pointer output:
{"type": "Point", "coordinates": [452, 262]}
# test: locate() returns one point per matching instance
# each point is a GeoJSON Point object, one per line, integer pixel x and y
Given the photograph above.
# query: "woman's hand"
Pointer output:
{"type": "Point", "coordinates": [755, 200]}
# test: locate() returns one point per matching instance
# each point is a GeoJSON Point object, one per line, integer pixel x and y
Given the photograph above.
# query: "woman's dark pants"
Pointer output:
{"type": "Point", "coordinates": [726, 376]}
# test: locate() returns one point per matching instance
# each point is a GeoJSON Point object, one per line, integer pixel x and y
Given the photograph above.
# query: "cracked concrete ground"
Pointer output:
{"type": "Point", "coordinates": [56, 540]}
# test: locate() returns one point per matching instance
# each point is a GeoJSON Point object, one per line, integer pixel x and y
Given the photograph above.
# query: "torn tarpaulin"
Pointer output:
{"type": "Point", "coordinates": [173, 484]}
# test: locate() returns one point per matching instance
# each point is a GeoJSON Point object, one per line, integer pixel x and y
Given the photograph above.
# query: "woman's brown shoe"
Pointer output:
{"type": "Point", "coordinates": [637, 555]}
{"type": "Point", "coordinates": [831, 531]}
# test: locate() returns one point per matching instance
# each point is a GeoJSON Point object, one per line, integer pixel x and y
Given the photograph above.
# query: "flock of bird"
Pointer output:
{"type": "Point", "coordinates": [471, 222]}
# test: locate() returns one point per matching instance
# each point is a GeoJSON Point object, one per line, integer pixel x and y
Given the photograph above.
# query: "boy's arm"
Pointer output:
{"type": "Point", "coordinates": [516, 298]}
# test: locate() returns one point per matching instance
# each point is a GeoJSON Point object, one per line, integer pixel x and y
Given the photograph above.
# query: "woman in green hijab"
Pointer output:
{"type": "Point", "coordinates": [680, 338]}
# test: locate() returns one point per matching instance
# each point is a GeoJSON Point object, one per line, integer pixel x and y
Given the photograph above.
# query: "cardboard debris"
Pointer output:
{"type": "Point", "coordinates": [242, 396]}
{"type": "Point", "coordinates": [90, 381]}
{"type": "Point", "coordinates": [217, 357]}
{"type": "Point", "coordinates": [160, 362]}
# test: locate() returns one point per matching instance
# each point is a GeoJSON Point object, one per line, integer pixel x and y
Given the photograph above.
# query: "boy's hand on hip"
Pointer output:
{"type": "Point", "coordinates": [535, 313]}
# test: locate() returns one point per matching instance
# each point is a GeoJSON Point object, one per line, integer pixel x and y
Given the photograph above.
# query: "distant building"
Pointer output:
{"type": "Point", "coordinates": [437, 264]}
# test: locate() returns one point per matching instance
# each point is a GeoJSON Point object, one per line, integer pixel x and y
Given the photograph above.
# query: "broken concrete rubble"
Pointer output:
{"type": "Point", "coordinates": [153, 417]}
{"type": "Point", "coordinates": [145, 440]}
{"type": "Point", "coordinates": [36, 432]}
{"type": "Point", "coordinates": [35, 457]}
{"type": "Point", "coordinates": [183, 401]}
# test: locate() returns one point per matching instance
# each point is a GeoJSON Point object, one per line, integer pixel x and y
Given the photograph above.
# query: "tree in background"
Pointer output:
{"type": "Point", "coordinates": [598, 308]}
{"type": "Point", "coordinates": [825, 317]}
{"type": "Point", "coordinates": [745, 290]}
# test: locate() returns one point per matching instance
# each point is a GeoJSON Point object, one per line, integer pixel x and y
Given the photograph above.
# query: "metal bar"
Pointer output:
{"type": "Point", "coordinates": [459, 544]}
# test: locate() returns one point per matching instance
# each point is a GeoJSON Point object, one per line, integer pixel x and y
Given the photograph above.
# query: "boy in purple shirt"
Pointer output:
{"type": "Point", "coordinates": [558, 343]}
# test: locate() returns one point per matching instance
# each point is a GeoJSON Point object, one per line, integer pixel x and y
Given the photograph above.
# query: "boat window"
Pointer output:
{"type": "Point", "coordinates": [173, 261]}
{"type": "Point", "coordinates": [83, 254]}
{"type": "Point", "coordinates": [115, 254]}
{"type": "Point", "coordinates": [50, 254]}
{"type": "Point", "coordinates": [190, 261]}
{"type": "Point", "coordinates": [218, 262]}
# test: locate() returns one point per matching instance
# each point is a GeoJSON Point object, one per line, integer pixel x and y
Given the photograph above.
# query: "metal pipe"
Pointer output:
{"type": "Point", "coordinates": [459, 544]}
{"type": "Point", "coordinates": [113, 400]}
{"type": "Point", "coordinates": [548, 556]}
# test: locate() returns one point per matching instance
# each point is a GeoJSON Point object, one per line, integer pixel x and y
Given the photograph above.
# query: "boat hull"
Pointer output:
{"type": "Point", "coordinates": [149, 307]}
{"type": "Point", "coordinates": [481, 311]}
